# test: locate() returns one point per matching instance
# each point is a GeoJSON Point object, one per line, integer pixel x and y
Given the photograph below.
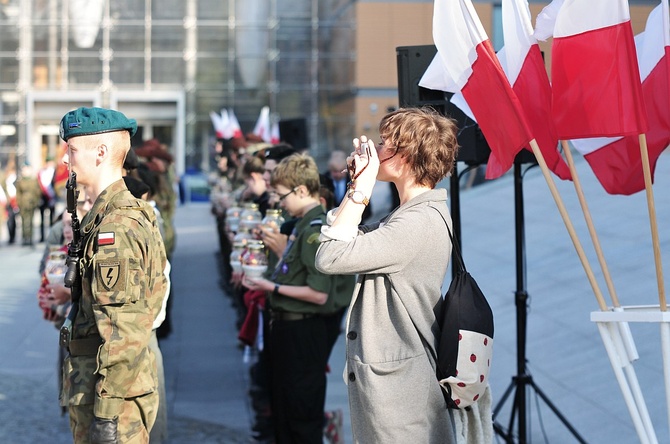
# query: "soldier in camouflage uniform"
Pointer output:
{"type": "Point", "coordinates": [28, 196]}
{"type": "Point", "coordinates": [110, 372]}
{"type": "Point", "coordinates": [158, 159]}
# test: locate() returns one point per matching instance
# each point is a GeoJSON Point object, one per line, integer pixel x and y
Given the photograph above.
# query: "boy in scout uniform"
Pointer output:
{"type": "Point", "coordinates": [299, 300]}
{"type": "Point", "coordinates": [110, 372]}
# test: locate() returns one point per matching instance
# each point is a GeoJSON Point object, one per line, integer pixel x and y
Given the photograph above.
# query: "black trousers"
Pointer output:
{"type": "Point", "coordinates": [299, 351]}
{"type": "Point", "coordinates": [44, 207]}
{"type": "Point", "coordinates": [334, 327]}
{"type": "Point", "coordinates": [11, 223]}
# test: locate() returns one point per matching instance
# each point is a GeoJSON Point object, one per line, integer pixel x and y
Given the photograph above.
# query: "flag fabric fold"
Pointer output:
{"type": "Point", "coordinates": [596, 80]}
{"type": "Point", "coordinates": [274, 133]}
{"type": "Point", "coordinates": [227, 130]}
{"type": "Point", "coordinates": [617, 162]}
{"type": "Point", "coordinates": [234, 125]}
{"type": "Point", "coordinates": [217, 123]}
{"type": "Point", "coordinates": [263, 127]}
{"type": "Point", "coordinates": [546, 19]}
{"type": "Point", "coordinates": [466, 62]}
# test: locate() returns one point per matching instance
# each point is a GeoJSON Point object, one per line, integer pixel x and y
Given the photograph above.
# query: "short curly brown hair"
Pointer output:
{"type": "Point", "coordinates": [296, 170]}
{"type": "Point", "coordinates": [425, 139]}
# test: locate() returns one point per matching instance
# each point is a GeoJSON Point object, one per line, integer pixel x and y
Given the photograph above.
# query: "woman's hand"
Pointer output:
{"type": "Point", "coordinates": [363, 165]}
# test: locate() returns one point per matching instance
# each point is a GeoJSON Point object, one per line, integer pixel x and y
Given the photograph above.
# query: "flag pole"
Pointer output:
{"type": "Point", "coordinates": [625, 353]}
{"type": "Point", "coordinates": [646, 168]}
{"type": "Point", "coordinates": [665, 327]}
{"type": "Point", "coordinates": [568, 224]}
{"type": "Point", "coordinates": [589, 223]}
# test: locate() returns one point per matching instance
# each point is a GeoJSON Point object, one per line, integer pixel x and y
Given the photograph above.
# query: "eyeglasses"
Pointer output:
{"type": "Point", "coordinates": [284, 196]}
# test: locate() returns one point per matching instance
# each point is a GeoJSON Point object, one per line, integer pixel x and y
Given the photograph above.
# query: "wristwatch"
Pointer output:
{"type": "Point", "coordinates": [358, 197]}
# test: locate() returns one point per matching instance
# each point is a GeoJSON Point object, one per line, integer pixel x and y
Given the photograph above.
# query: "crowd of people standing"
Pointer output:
{"type": "Point", "coordinates": [325, 245]}
{"type": "Point", "coordinates": [296, 259]}
{"type": "Point", "coordinates": [290, 315]}
{"type": "Point", "coordinates": [24, 191]}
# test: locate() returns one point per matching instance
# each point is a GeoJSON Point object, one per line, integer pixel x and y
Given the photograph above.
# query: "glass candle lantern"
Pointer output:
{"type": "Point", "coordinates": [254, 260]}
{"type": "Point", "coordinates": [272, 220]}
{"type": "Point", "coordinates": [239, 248]}
{"type": "Point", "coordinates": [56, 267]}
{"type": "Point", "coordinates": [233, 218]}
{"type": "Point", "coordinates": [250, 217]}
{"type": "Point", "coordinates": [243, 235]}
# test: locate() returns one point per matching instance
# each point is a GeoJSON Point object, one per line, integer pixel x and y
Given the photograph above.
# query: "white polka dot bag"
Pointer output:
{"type": "Point", "coordinates": [465, 347]}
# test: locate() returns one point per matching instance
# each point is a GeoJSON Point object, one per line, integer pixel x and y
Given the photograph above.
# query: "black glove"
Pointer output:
{"type": "Point", "coordinates": [104, 431]}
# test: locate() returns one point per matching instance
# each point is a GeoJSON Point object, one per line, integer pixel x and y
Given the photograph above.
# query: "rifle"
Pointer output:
{"type": "Point", "coordinates": [74, 254]}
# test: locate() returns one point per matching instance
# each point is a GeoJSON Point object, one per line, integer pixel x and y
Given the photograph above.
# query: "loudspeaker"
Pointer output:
{"type": "Point", "coordinates": [412, 64]}
{"type": "Point", "coordinates": [294, 132]}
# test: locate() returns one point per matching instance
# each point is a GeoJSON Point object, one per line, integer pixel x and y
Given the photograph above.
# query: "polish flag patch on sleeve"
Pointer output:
{"type": "Point", "coordinates": [106, 238]}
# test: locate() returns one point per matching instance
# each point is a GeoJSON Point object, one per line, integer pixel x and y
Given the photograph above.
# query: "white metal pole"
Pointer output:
{"type": "Point", "coordinates": [622, 345]}
{"type": "Point", "coordinates": [606, 332]}
{"type": "Point", "coordinates": [665, 353]}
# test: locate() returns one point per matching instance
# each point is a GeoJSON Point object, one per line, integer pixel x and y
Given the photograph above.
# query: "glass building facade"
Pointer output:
{"type": "Point", "coordinates": [169, 63]}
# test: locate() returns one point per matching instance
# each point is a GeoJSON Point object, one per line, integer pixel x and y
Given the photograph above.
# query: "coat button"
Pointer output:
{"type": "Point", "coordinates": [352, 377]}
{"type": "Point", "coordinates": [352, 335]}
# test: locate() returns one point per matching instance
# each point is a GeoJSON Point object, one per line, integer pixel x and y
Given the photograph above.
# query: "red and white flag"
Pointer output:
{"type": "Point", "coordinates": [234, 125]}
{"type": "Point", "coordinates": [222, 124]}
{"type": "Point", "coordinates": [522, 61]}
{"type": "Point", "coordinates": [217, 123]}
{"type": "Point", "coordinates": [274, 133]}
{"type": "Point", "coordinates": [617, 162]}
{"type": "Point", "coordinates": [106, 238]}
{"type": "Point", "coordinates": [595, 77]}
{"type": "Point", "coordinates": [263, 127]}
{"type": "Point", "coordinates": [466, 62]}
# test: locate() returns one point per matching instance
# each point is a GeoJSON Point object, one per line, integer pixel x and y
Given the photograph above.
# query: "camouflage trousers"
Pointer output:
{"type": "Point", "coordinates": [27, 224]}
{"type": "Point", "coordinates": [135, 422]}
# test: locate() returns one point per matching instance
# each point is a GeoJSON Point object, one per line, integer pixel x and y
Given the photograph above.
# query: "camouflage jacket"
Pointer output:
{"type": "Point", "coordinates": [122, 290]}
{"type": "Point", "coordinates": [28, 193]}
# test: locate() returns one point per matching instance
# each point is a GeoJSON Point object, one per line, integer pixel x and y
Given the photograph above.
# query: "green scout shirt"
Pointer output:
{"type": "Point", "coordinates": [273, 260]}
{"type": "Point", "coordinates": [298, 268]}
{"type": "Point", "coordinates": [123, 286]}
{"type": "Point", "coordinates": [341, 292]}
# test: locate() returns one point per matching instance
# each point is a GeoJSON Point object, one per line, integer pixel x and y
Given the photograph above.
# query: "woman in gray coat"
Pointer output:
{"type": "Point", "coordinates": [401, 262]}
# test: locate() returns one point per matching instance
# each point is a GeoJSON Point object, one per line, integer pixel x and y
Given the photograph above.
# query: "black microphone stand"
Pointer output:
{"type": "Point", "coordinates": [522, 378]}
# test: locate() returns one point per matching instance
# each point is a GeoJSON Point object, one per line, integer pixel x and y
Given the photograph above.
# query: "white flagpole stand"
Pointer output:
{"type": "Point", "coordinates": [665, 349]}
{"type": "Point", "coordinates": [620, 347]}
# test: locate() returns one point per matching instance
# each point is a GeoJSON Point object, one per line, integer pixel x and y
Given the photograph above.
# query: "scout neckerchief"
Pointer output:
{"type": "Point", "coordinates": [282, 265]}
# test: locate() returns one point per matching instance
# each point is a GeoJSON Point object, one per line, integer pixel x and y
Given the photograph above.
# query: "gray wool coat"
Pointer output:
{"type": "Point", "coordinates": [391, 329]}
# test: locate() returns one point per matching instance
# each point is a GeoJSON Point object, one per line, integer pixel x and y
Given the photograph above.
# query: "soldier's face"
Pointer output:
{"type": "Point", "coordinates": [78, 157]}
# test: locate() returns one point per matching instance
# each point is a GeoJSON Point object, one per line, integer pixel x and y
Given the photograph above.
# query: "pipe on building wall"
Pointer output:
{"type": "Point", "coordinates": [252, 40]}
{"type": "Point", "coordinates": [85, 17]}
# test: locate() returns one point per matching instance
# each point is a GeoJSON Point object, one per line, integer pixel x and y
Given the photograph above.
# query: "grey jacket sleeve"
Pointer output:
{"type": "Point", "coordinates": [387, 249]}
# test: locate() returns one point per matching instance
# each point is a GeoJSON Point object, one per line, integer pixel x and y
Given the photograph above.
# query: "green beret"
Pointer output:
{"type": "Point", "coordinates": [86, 121]}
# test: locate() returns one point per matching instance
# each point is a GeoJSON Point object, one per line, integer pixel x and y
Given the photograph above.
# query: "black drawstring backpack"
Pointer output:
{"type": "Point", "coordinates": [465, 346]}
